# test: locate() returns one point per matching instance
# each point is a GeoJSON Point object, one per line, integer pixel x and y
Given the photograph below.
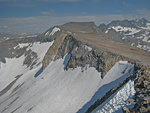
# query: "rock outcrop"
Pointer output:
{"type": "Point", "coordinates": [81, 55]}
{"type": "Point", "coordinates": [142, 88]}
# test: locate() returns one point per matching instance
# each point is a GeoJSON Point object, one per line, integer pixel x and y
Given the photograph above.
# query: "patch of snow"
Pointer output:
{"type": "Point", "coordinates": [132, 44]}
{"type": "Point", "coordinates": [147, 26]}
{"type": "Point", "coordinates": [31, 36]}
{"type": "Point", "coordinates": [146, 38]}
{"type": "Point", "coordinates": [139, 46]}
{"type": "Point", "coordinates": [88, 48]}
{"type": "Point", "coordinates": [22, 45]}
{"type": "Point", "coordinates": [54, 31]}
{"type": "Point", "coordinates": [106, 31]}
{"type": "Point", "coordinates": [140, 37]}
{"type": "Point", "coordinates": [6, 38]}
{"type": "Point", "coordinates": [124, 38]}
{"type": "Point", "coordinates": [76, 48]}
{"type": "Point", "coordinates": [125, 29]}
{"type": "Point", "coordinates": [47, 33]}
{"type": "Point", "coordinates": [123, 62]}
{"type": "Point", "coordinates": [144, 47]}
{"type": "Point", "coordinates": [118, 100]}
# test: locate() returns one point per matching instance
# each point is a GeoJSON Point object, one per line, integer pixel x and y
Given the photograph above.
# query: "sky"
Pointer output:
{"type": "Point", "coordinates": [36, 16]}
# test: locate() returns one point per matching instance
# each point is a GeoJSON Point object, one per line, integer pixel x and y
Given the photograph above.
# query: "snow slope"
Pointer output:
{"type": "Point", "coordinates": [56, 88]}
{"type": "Point", "coordinates": [14, 67]}
{"type": "Point", "coordinates": [119, 72]}
{"type": "Point", "coordinates": [55, 29]}
{"type": "Point", "coordinates": [118, 100]}
{"type": "Point", "coordinates": [53, 89]}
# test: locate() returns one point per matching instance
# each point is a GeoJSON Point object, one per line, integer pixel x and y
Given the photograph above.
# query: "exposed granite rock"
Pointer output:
{"type": "Point", "coordinates": [52, 51]}
{"type": "Point", "coordinates": [30, 58]}
{"type": "Point", "coordinates": [142, 88]}
{"type": "Point", "coordinates": [125, 110]}
{"type": "Point", "coordinates": [82, 55]}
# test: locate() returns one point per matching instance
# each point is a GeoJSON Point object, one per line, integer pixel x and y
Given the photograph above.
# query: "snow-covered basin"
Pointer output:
{"type": "Point", "coordinates": [14, 66]}
{"type": "Point", "coordinates": [60, 91]}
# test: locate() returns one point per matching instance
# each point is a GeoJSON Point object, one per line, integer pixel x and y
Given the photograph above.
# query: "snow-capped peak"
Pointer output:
{"type": "Point", "coordinates": [55, 29]}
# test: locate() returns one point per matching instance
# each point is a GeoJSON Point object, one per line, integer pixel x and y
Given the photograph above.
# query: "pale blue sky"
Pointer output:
{"type": "Point", "coordinates": [38, 15]}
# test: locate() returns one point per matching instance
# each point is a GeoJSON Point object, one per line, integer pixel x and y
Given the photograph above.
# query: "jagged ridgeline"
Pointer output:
{"type": "Point", "coordinates": [75, 67]}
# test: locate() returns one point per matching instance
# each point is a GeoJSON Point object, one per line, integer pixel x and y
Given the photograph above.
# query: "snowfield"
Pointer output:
{"type": "Point", "coordinates": [14, 67]}
{"type": "Point", "coordinates": [56, 88]}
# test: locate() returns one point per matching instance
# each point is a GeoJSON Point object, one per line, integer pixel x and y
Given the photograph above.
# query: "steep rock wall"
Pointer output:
{"type": "Point", "coordinates": [81, 55]}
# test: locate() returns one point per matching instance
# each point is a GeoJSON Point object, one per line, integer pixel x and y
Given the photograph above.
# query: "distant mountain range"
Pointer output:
{"type": "Point", "coordinates": [7, 36]}
{"type": "Point", "coordinates": [133, 32]}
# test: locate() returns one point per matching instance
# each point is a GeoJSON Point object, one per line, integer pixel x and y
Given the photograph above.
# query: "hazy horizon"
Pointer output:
{"type": "Point", "coordinates": [36, 16]}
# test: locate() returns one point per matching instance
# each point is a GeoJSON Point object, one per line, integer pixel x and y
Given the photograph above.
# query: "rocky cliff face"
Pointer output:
{"type": "Point", "coordinates": [142, 88]}
{"type": "Point", "coordinates": [81, 55]}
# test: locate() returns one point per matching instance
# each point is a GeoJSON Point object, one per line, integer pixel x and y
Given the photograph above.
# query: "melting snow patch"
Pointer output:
{"type": "Point", "coordinates": [22, 45]}
{"type": "Point", "coordinates": [76, 48]}
{"type": "Point", "coordinates": [132, 44]}
{"type": "Point", "coordinates": [106, 31]}
{"type": "Point", "coordinates": [47, 33]}
{"type": "Point", "coordinates": [88, 48]}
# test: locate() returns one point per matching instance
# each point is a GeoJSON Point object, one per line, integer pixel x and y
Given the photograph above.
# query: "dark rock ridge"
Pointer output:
{"type": "Point", "coordinates": [142, 88]}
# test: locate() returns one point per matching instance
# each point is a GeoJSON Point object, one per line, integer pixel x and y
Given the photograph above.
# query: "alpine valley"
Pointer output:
{"type": "Point", "coordinates": [77, 67]}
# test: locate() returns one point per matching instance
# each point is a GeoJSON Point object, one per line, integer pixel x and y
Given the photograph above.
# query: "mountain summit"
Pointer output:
{"type": "Point", "coordinates": [75, 67]}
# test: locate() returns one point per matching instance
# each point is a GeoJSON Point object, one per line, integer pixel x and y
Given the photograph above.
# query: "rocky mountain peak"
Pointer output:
{"type": "Point", "coordinates": [82, 27]}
